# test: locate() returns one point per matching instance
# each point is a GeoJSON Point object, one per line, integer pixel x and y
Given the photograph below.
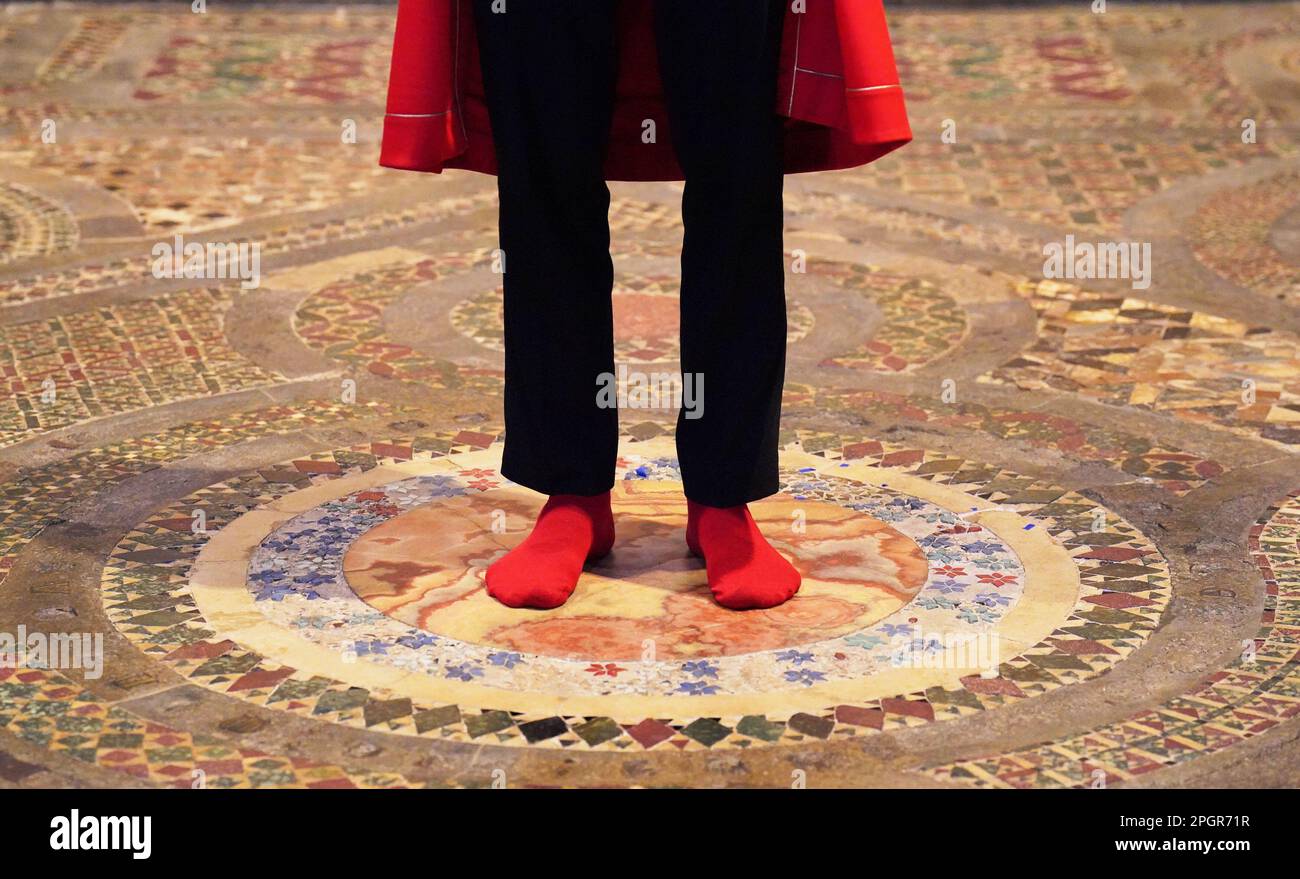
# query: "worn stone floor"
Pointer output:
{"type": "Point", "coordinates": [275, 504]}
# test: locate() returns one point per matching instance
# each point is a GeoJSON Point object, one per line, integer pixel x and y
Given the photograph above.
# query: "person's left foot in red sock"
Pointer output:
{"type": "Point", "coordinates": [745, 571]}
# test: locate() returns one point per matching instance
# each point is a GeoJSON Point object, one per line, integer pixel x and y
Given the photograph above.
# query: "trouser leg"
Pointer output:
{"type": "Point", "coordinates": [719, 65]}
{"type": "Point", "coordinates": [549, 71]}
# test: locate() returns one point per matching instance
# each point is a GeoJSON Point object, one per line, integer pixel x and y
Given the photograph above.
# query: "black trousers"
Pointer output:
{"type": "Point", "coordinates": [549, 71]}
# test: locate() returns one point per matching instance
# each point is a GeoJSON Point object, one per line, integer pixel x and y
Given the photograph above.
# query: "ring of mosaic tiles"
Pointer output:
{"type": "Point", "coordinates": [1231, 235]}
{"type": "Point", "coordinates": [1093, 588]}
{"type": "Point", "coordinates": [645, 319]}
{"type": "Point", "coordinates": [344, 317]}
{"type": "Point", "coordinates": [33, 225]}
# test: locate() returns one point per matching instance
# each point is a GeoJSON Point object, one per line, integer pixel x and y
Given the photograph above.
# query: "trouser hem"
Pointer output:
{"type": "Point", "coordinates": [713, 498]}
{"type": "Point", "coordinates": [551, 487]}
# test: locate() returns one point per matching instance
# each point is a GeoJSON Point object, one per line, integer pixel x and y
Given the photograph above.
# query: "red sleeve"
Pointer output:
{"type": "Point", "coordinates": [422, 127]}
{"type": "Point", "coordinates": [874, 98]}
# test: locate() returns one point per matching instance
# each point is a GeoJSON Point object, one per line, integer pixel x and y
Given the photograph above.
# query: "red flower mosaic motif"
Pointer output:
{"type": "Point", "coordinates": [998, 579]}
{"type": "Point", "coordinates": [605, 669]}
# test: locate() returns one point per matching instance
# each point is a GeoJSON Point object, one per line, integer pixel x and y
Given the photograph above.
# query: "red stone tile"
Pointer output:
{"type": "Point", "coordinates": [220, 767]}
{"type": "Point", "coordinates": [202, 650]}
{"type": "Point", "coordinates": [117, 756]}
{"type": "Point", "coordinates": [1209, 469]}
{"type": "Point", "coordinates": [474, 438]}
{"type": "Point", "coordinates": [872, 718]}
{"type": "Point", "coordinates": [388, 450]}
{"type": "Point", "coordinates": [649, 733]}
{"type": "Point", "coordinates": [861, 450]}
{"type": "Point", "coordinates": [181, 525]}
{"type": "Point", "coordinates": [317, 467]}
{"type": "Point", "coordinates": [903, 458]}
{"type": "Point", "coordinates": [260, 678]}
{"type": "Point", "coordinates": [923, 710]}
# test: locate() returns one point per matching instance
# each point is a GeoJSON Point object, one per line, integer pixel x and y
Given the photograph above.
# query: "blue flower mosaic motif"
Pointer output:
{"type": "Point", "coordinates": [865, 640]}
{"type": "Point", "coordinates": [279, 593]}
{"type": "Point", "coordinates": [972, 551]}
{"type": "Point", "coordinates": [440, 485]}
{"type": "Point", "coordinates": [505, 660]}
{"type": "Point", "coordinates": [417, 640]}
{"type": "Point", "coordinates": [465, 672]}
{"type": "Point", "coordinates": [305, 561]}
{"type": "Point", "coordinates": [975, 613]}
{"type": "Point", "coordinates": [666, 469]}
{"type": "Point", "coordinates": [700, 668]}
{"type": "Point", "coordinates": [923, 645]}
{"type": "Point", "coordinates": [805, 676]}
{"type": "Point", "coordinates": [934, 602]}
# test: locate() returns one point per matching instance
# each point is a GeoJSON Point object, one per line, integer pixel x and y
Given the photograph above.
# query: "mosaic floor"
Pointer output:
{"type": "Point", "coordinates": [1049, 529]}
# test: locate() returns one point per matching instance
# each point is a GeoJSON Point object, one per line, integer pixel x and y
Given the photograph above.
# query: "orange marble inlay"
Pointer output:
{"type": "Point", "coordinates": [425, 568]}
{"type": "Point", "coordinates": [645, 316]}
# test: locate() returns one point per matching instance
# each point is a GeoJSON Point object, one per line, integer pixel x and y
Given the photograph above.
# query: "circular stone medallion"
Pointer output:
{"type": "Point", "coordinates": [424, 568]}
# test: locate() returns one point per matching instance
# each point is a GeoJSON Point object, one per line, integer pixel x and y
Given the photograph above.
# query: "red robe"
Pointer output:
{"type": "Point", "coordinates": [838, 90]}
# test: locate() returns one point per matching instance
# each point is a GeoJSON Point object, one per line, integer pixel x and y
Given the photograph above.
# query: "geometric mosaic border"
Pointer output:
{"type": "Point", "coordinates": [1256, 693]}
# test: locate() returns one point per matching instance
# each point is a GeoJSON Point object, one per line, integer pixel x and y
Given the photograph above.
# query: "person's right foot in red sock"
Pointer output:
{"type": "Point", "coordinates": [745, 571]}
{"type": "Point", "coordinates": [542, 571]}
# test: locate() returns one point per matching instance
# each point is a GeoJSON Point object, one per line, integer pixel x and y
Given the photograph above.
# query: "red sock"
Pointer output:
{"type": "Point", "coordinates": [745, 572]}
{"type": "Point", "coordinates": [542, 571]}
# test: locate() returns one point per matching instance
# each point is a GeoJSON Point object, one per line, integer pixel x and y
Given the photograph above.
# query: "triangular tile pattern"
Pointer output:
{"type": "Point", "coordinates": [1141, 457]}
{"type": "Point", "coordinates": [46, 709]}
{"type": "Point", "coordinates": [1254, 694]}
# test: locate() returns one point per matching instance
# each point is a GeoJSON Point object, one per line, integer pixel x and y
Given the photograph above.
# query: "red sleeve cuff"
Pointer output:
{"type": "Point", "coordinates": [877, 115]}
{"type": "Point", "coordinates": [418, 142]}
